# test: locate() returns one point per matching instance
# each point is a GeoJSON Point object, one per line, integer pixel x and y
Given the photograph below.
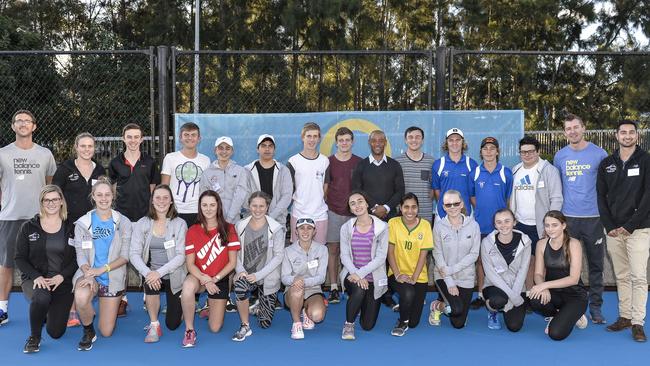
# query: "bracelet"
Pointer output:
{"type": "Point", "coordinates": [107, 267]}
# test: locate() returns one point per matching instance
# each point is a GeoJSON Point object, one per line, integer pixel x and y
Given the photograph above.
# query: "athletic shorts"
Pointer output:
{"type": "Point", "coordinates": [8, 232]}
{"type": "Point", "coordinates": [223, 294]}
{"type": "Point", "coordinates": [334, 223]}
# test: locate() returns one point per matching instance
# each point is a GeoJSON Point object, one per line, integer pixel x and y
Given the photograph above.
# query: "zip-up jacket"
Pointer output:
{"type": "Point", "coordinates": [508, 278]}
{"type": "Point", "coordinates": [269, 275]}
{"type": "Point", "coordinates": [76, 189]}
{"type": "Point", "coordinates": [232, 185]}
{"type": "Point", "coordinates": [31, 254]}
{"type": "Point", "coordinates": [456, 251]}
{"type": "Point", "coordinates": [378, 253]}
{"type": "Point", "coordinates": [548, 192]}
{"type": "Point", "coordinates": [83, 237]}
{"type": "Point", "coordinates": [139, 253]}
{"type": "Point", "coordinates": [282, 190]}
{"type": "Point", "coordinates": [624, 191]}
{"type": "Point", "coordinates": [296, 262]}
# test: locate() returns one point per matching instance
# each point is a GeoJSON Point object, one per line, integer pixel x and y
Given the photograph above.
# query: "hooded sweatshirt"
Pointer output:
{"type": "Point", "coordinates": [456, 251]}
{"type": "Point", "coordinates": [230, 183]}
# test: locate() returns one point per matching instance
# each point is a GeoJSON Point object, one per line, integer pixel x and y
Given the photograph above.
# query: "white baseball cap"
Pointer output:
{"type": "Point", "coordinates": [223, 139]}
{"type": "Point", "coordinates": [455, 131]}
{"type": "Point", "coordinates": [265, 137]}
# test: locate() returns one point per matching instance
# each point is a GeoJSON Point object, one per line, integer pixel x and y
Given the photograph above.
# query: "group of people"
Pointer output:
{"type": "Point", "coordinates": [366, 226]}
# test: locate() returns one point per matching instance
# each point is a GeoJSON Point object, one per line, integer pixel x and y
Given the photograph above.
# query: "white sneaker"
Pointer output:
{"type": "Point", "coordinates": [296, 331]}
{"type": "Point", "coordinates": [582, 322]}
{"type": "Point", "coordinates": [307, 324]}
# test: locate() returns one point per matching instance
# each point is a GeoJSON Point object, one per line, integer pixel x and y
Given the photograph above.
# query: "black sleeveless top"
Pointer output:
{"type": "Point", "coordinates": [557, 267]}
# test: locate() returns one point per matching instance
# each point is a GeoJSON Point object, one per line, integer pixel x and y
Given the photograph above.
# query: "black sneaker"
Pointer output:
{"type": "Point", "coordinates": [32, 345]}
{"type": "Point", "coordinates": [230, 307]}
{"type": "Point", "coordinates": [388, 301]}
{"type": "Point", "coordinates": [87, 340]}
{"type": "Point", "coordinates": [400, 328]}
{"type": "Point", "coordinates": [477, 303]}
{"type": "Point", "coordinates": [4, 317]}
{"type": "Point", "coordinates": [334, 297]}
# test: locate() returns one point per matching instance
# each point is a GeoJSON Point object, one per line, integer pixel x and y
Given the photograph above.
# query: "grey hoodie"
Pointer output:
{"type": "Point", "coordinates": [508, 278]}
{"type": "Point", "coordinates": [548, 192]}
{"type": "Point", "coordinates": [296, 262]}
{"type": "Point", "coordinates": [83, 243]}
{"type": "Point", "coordinates": [378, 253]}
{"type": "Point", "coordinates": [282, 190]}
{"type": "Point", "coordinates": [456, 251]}
{"type": "Point", "coordinates": [269, 275]}
{"type": "Point", "coordinates": [232, 185]}
{"type": "Point", "coordinates": [175, 231]}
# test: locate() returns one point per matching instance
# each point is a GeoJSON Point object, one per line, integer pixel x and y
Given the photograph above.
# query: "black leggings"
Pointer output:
{"type": "Point", "coordinates": [174, 309]}
{"type": "Point", "coordinates": [497, 300]}
{"type": "Point", "coordinates": [266, 303]}
{"type": "Point", "coordinates": [360, 300]}
{"type": "Point", "coordinates": [459, 304]}
{"type": "Point", "coordinates": [51, 305]}
{"type": "Point", "coordinates": [566, 307]}
{"type": "Point", "coordinates": [411, 300]}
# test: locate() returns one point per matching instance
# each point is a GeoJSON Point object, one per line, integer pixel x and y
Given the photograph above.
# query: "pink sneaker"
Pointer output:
{"type": "Point", "coordinates": [307, 324]}
{"type": "Point", "coordinates": [190, 338]}
{"type": "Point", "coordinates": [154, 332]}
{"type": "Point", "coordinates": [296, 331]}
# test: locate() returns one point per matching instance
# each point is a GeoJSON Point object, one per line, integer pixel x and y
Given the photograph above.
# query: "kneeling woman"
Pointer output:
{"type": "Point", "coordinates": [409, 240]}
{"type": "Point", "coordinates": [558, 292]}
{"type": "Point", "coordinates": [158, 254]}
{"type": "Point", "coordinates": [458, 242]}
{"type": "Point", "coordinates": [211, 248]}
{"type": "Point", "coordinates": [102, 240]}
{"type": "Point", "coordinates": [364, 247]}
{"type": "Point", "coordinates": [258, 263]}
{"type": "Point", "coordinates": [303, 272]}
{"type": "Point", "coordinates": [505, 254]}
{"type": "Point", "coordinates": [47, 263]}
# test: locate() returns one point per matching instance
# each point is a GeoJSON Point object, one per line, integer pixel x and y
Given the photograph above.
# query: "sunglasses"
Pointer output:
{"type": "Point", "coordinates": [301, 222]}
{"type": "Point", "coordinates": [453, 204]}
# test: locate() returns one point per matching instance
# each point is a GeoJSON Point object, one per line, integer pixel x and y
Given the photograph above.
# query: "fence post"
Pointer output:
{"type": "Point", "coordinates": [441, 55]}
{"type": "Point", "coordinates": [163, 99]}
{"type": "Point", "coordinates": [450, 102]}
{"type": "Point", "coordinates": [152, 101]}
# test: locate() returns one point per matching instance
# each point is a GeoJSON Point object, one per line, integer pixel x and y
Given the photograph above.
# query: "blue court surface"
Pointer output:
{"type": "Point", "coordinates": [473, 345]}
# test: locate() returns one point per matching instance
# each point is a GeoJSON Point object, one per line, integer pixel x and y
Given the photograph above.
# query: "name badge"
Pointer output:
{"type": "Point", "coordinates": [216, 187]}
{"type": "Point", "coordinates": [312, 264]}
{"type": "Point", "coordinates": [93, 182]}
{"type": "Point", "coordinates": [382, 282]}
{"type": "Point", "coordinates": [499, 269]}
{"type": "Point", "coordinates": [170, 244]}
{"type": "Point", "coordinates": [87, 244]}
{"type": "Point", "coordinates": [540, 184]}
{"type": "Point", "coordinates": [633, 172]}
{"type": "Point", "coordinates": [71, 242]}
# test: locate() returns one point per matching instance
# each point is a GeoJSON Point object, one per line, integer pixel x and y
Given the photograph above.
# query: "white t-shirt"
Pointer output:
{"type": "Point", "coordinates": [22, 176]}
{"type": "Point", "coordinates": [309, 176]}
{"type": "Point", "coordinates": [185, 175]}
{"type": "Point", "coordinates": [525, 181]}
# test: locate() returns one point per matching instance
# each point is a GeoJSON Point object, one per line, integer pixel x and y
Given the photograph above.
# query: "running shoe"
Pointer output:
{"type": "Point", "coordinates": [73, 320]}
{"type": "Point", "coordinates": [87, 339]}
{"type": "Point", "coordinates": [32, 345]}
{"type": "Point", "coordinates": [189, 340]}
{"type": "Point", "coordinates": [348, 331]}
{"type": "Point", "coordinates": [4, 317]}
{"type": "Point", "coordinates": [230, 307]}
{"type": "Point", "coordinates": [400, 328]}
{"type": "Point", "coordinates": [243, 332]}
{"type": "Point", "coordinates": [493, 320]}
{"type": "Point", "coordinates": [582, 322]}
{"type": "Point", "coordinates": [307, 324]}
{"type": "Point", "coordinates": [204, 312]}
{"type": "Point", "coordinates": [154, 332]}
{"type": "Point", "coordinates": [597, 317]}
{"type": "Point", "coordinates": [334, 297]}
{"type": "Point", "coordinates": [296, 331]}
{"type": "Point", "coordinates": [477, 303]}
{"type": "Point", "coordinates": [434, 317]}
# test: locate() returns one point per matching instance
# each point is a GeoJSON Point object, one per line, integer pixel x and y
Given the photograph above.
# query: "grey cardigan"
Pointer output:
{"type": "Point", "coordinates": [119, 248]}
{"type": "Point", "coordinates": [508, 278]}
{"type": "Point", "coordinates": [548, 192]}
{"type": "Point", "coordinates": [269, 275]}
{"type": "Point", "coordinates": [296, 260]}
{"type": "Point", "coordinates": [378, 253]}
{"type": "Point", "coordinates": [282, 190]}
{"type": "Point", "coordinates": [231, 184]}
{"type": "Point", "coordinates": [139, 254]}
{"type": "Point", "coordinates": [456, 251]}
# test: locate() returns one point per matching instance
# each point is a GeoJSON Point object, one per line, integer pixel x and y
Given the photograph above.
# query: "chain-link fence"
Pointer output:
{"type": "Point", "coordinates": [71, 92]}
{"type": "Point", "coordinates": [286, 81]}
{"type": "Point", "coordinates": [552, 141]}
{"type": "Point", "coordinates": [601, 87]}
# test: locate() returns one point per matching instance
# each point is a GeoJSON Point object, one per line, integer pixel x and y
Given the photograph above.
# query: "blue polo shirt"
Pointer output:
{"type": "Point", "coordinates": [447, 174]}
{"type": "Point", "coordinates": [578, 171]}
{"type": "Point", "coordinates": [492, 192]}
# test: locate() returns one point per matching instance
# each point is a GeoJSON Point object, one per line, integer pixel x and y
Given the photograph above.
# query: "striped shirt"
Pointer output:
{"type": "Point", "coordinates": [417, 180]}
{"type": "Point", "coordinates": [361, 248]}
